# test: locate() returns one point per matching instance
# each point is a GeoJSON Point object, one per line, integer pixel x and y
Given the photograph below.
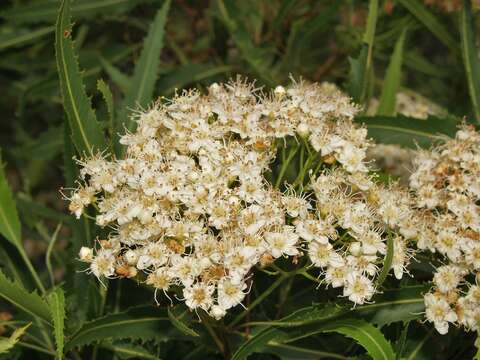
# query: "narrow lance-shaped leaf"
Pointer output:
{"type": "Point", "coordinates": [366, 335]}
{"type": "Point", "coordinates": [18, 296]}
{"type": "Point", "coordinates": [8, 343]}
{"type": "Point", "coordinates": [140, 91]}
{"type": "Point", "coordinates": [137, 323]}
{"type": "Point", "coordinates": [408, 131]}
{"type": "Point", "coordinates": [433, 24]}
{"type": "Point", "coordinates": [9, 221]}
{"type": "Point", "coordinates": [10, 226]}
{"type": "Point", "coordinates": [470, 56]}
{"type": "Point", "coordinates": [56, 302]}
{"type": "Point", "coordinates": [361, 69]}
{"type": "Point", "coordinates": [20, 38]}
{"type": "Point", "coordinates": [391, 306]}
{"type": "Point", "coordinates": [87, 133]}
{"type": "Point", "coordinates": [392, 79]}
{"type": "Point", "coordinates": [108, 98]}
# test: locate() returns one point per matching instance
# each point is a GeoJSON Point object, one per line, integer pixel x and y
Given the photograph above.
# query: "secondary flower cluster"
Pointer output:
{"type": "Point", "coordinates": [347, 236]}
{"type": "Point", "coordinates": [447, 188]}
{"type": "Point", "coordinates": [189, 206]}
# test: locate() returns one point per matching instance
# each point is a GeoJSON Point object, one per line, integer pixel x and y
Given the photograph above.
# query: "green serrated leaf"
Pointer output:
{"type": "Point", "coordinates": [470, 56]}
{"type": "Point", "coordinates": [56, 302]}
{"type": "Point", "coordinates": [8, 343]}
{"type": "Point", "coordinates": [9, 221]}
{"type": "Point", "coordinates": [140, 91]}
{"type": "Point", "coordinates": [108, 98]}
{"type": "Point", "coordinates": [20, 38]}
{"type": "Point", "coordinates": [393, 75]}
{"type": "Point", "coordinates": [408, 131]}
{"type": "Point", "coordinates": [23, 300]}
{"type": "Point", "coordinates": [258, 342]}
{"type": "Point", "coordinates": [367, 335]}
{"type": "Point", "coordinates": [433, 24]}
{"type": "Point", "coordinates": [45, 11]}
{"type": "Point", "coordinates": [176, 320]}
{"type": "Point", "coordinates": [87, 133]}
{"type": "Point", "coordinates": [137, 323]}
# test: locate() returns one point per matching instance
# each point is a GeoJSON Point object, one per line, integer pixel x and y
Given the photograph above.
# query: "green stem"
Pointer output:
{"type": "Point", "coordinates": [310, 277]}
{"type": "Point", "coordinates": [284, 167]}
{"type": "Point", "coordinates": [258, 300]}
{"type": "Point", "coordinates": [213, 334]}
{"type": "Point", "coordinates": [32, 270]}
{"type": "Point", "coordinates": [387, 263]}
{"type": "Point", "coordinates": [37, 348]}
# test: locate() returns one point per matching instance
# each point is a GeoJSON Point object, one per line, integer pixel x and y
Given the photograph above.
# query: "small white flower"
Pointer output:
{"type": "Point", "coordinates": [438, 311]}
{"type": "Point", "coordinates": [358, 288]}
{"type": "Point", "coordinates": [283, 242]}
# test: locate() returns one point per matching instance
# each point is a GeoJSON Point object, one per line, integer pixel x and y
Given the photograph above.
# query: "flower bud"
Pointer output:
{"type": "Point", "coordinates": [355, 248]}
{"type": "Point", "coordinates": [279, 92]}
{"type": "Point", "coordinates": [86, 254]}
{"type": "Point", "coordinates": [131, 257]}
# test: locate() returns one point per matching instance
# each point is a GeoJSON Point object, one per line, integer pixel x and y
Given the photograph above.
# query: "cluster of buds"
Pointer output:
{"type": "Point", "coordinates": [447, 190]}
{"type": "Point", "coordinates": [189, 206]}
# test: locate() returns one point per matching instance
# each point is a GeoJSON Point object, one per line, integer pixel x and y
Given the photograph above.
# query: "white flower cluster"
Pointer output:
{"type": "Point", "coordinates": [189, 206]}
{"type": "Point", "coordinates": [347, 235]}
{"type": "Point", "coordinates": [447, 187]}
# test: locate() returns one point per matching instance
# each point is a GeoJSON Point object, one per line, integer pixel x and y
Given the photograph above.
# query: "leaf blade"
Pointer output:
{"type": "Point", "coordinates": [366, 335]}
{"type": "Point", "coordinates": [56, 302]}
{"type": "Point", "coordinates": [9, 221]}
{"type": "Point", "coordinates": [470, 56]}
{"type": "Point", "coordinates": [7, 343]}
{"type": "Point", "coordinates": [407, 131]}
{"type": "Point", "coordinates": [19, 297]}
{"type": "Point", "coordinates": [87, 133]}
{"type": "Point", "coordinates": [391, 84]}
{"type": "Point", "coordinates": [142, 322]}
{"type": "Point", "coordinates": [429, 20]}
{"type": "Point", "coordinates": [140, 91]}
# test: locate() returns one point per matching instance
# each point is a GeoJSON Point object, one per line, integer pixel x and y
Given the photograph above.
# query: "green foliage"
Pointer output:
{"type": "Point", "coordinates": [387, 263]}
{"type": "Point", "coordinates": [140, 91]}
{"type": "Point", "coordinates": [86, 131]}
{"type": "Point", "coordinates": [176, 315]}
{"type": "Point", "coordinates": [361, 70]}
{"type": "Point", "coordinates": [56, 302]}
{"type": "Point", "coordinates": [431, 22]}
{"type": "Point", "coordinates": [470, 56]}
{"type": "Point", "coordinates": [9, 221]}
{"type": "Point", "coordinates": [8, 343]}
{"type": "Point", "coordinates": [393, 76]}
{"type": "Point", "coordinates": [137, 323]}
{"type": "Point", "coordinates": [408, 132]}
{"type": "Point", "coordinates": [29, 302]}
{"type": "Point", "coordinates": [366, 335]}
{"type": "Point", "coordinates": [46, 10]}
